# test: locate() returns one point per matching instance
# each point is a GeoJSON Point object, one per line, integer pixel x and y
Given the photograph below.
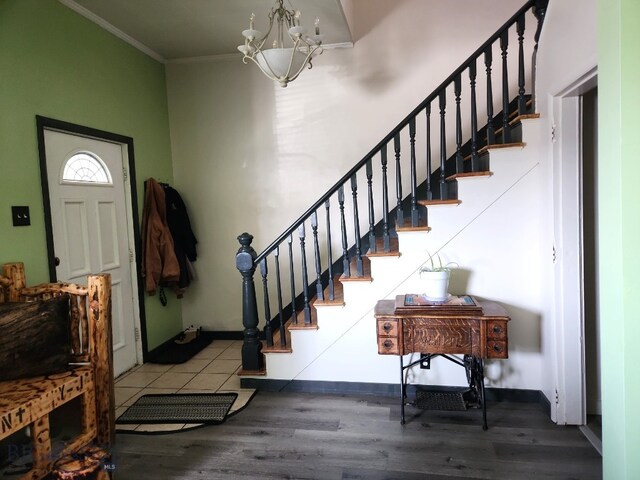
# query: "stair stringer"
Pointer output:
{"type": "Point", "coordinates": [344, 346]}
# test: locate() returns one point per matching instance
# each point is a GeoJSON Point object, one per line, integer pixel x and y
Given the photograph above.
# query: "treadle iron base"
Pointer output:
{"type": "Point", "coordinates": [444, 400]}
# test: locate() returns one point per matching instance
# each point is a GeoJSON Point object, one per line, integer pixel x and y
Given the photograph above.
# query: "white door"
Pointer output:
{"type": "Point", "coordinates": [89, 216]}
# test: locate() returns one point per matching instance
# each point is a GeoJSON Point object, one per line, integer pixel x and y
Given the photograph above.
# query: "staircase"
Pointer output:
{"type": "Point", "coordinates": [316, 323]}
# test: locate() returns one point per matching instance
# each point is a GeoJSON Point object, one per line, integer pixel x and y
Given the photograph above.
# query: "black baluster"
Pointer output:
{"type": "Point", "coordinates": [356, 221]}
{"type": "Point", "coordinates": [457, 87]}
{"type": "Point", "coordinates": [385, 200]}
{"type": "Point", "coordinates": [283, 337]}
{"type": "Point", "coordinates": [292, 281]}
{"type": "Point", "coordinates": [372, 227]}
{"type": "Point", "coordinates": [399, 212]}
{"type": "Point", "coordinates": [251, 346]}
{"type": "Point", "coordinates": [268, 334]}
{"type": "Point", "coordinates": [491, 131]}
{"type": "Point", "coordinates": [429, 191]}
{"type": "Point", "coordinates": [475, 160]}
{"type": "Point", "coordinates": [414, 176]}
{"type": "Point", "coordinates": [305, 278]}
{"type": "Point", "coordinates": [522, 102]}
{"type": "Point", "coordinates": [346, 270]}
{"type": "Point", "coordinates": [329, 253]}
{"type": "Point", "coordinates": [506, 129]}
{"type": "Point", "coordinates": [444, 188]}
{"type": "Point", "coordinates": [314, 227]}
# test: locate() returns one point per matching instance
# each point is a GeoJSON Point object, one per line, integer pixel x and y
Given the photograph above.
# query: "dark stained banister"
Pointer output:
{"type": "Point", "coordinates": [246, 258]}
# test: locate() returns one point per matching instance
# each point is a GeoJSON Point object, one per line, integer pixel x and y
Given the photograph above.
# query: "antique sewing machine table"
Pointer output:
{"type": "Point", "coordinates": [461, 326]}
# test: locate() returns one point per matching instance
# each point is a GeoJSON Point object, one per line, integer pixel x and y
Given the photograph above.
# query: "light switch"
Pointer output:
{"type": "Point", "coordinates": [21, 217]}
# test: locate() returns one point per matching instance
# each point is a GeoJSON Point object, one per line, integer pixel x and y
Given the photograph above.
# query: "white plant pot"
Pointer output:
{"type": "Point", "coordinates": [435, 285]}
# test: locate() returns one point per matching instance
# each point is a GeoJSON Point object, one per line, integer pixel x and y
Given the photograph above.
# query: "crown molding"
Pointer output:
{"type": "Point", "coordinates": [153, 54]}
{"type": "Point", "coordinates": [111, 29]}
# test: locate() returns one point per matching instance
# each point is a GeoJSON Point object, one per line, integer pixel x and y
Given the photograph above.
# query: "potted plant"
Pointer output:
{"type": "Point", "coordinates": [435, 278]}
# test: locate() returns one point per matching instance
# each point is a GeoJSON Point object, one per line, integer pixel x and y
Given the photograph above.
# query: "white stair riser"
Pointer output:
{"type": "Point", "coordinates": [344, 347]}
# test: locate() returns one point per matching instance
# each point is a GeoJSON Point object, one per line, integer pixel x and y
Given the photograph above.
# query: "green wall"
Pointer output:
{"type": "Point", "coordinates": [55, 63]}
{"type": "Point", "coordinates": [619, 219]}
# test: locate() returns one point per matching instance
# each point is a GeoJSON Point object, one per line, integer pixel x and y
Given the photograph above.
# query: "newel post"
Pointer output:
{"type": "Point", "coordinates": [245, 263]}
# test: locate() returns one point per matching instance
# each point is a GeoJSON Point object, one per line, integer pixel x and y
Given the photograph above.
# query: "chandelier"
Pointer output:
{"type": "Point", "coordinates": [281, 63]}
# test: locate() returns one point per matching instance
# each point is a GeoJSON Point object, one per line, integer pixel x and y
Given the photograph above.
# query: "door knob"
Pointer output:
{"type": "Point", "coordinates": [56, 261]}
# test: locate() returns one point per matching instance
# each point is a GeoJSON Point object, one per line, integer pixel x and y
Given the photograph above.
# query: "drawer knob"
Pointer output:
{"type": "Point", "coordinates": [497, 329]}
{"type": "Point", "coordinates": [387, 327]}
{"type": "Point", "coordinates": [387, 344]}
{"type": "Point", "coordinates": [497, 348]}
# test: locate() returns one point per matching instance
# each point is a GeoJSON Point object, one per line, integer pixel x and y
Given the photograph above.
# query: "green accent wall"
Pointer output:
{"type": "Point", "coordinates": [619, 219]}
{"type": "Point", "coordinates": [56, 63]}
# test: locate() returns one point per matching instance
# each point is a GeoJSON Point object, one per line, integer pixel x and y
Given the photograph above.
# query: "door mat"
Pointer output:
{"type": "Point", "coordinates": [204, 408]}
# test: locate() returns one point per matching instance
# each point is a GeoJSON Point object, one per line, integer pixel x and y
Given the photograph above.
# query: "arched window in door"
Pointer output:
{"type": "Point", "coordinates": [87, 168]}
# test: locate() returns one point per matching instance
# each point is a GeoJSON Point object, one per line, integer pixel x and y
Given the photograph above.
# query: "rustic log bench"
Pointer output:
{"type": "Point", "coordinates": [25, 403]}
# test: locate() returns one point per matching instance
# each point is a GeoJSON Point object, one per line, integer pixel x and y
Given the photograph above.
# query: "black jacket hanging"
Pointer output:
{"type": "Point", "coordinates": [184, 241]}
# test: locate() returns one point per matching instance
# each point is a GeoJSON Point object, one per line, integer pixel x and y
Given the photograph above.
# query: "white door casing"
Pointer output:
{"type": "Point", "coordinates": [568, 242]}
{"type": "Point", "coordinates": [92, 233]}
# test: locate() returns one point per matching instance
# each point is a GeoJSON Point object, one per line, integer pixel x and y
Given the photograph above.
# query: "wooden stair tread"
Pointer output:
{"type": "Point", "coordinates": [300, 325]}
{"type": "Point", "coordinates": [496, 146]}
{"type": "Point", "coordinates": [277, 348]}
{"type": "Point", "coordinates": [288, 326]}
{"type": "Point", "coordinates": [456, 176]}
{"type": "Point", "coordinates": [407, 227]}
{"type": "Point", "coordinates": [514, 113]}
{"type": "Point", "coordinates": [435, 203]}
{"type": "Point", "coordinates": [524, 117]}
{"type": "Point", "coordinates": [394, 250]}
{"type": "Point", "coordinates": [366, 269]}
{"type": "Point", "coordinates": [338, 295]}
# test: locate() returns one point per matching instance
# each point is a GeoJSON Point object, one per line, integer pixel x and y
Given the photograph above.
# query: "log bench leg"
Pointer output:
{"type": "Point", "coordinates": [41, 445]}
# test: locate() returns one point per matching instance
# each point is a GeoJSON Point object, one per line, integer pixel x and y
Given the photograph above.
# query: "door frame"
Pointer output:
{"type": "Point", "coordinates": [568, 247]}
{"type": "Point", "coordinates": [45, 123]}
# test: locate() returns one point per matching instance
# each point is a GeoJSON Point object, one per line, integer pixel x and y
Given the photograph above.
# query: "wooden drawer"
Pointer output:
{"type": "Point", "coordinates": [388, 346]}
{"type": "Point", "coordinates": [497, 330]}
{"type": "Point", "coordinates": [388, 327]}
{"type": "Point", "coordinates": [497, 349]}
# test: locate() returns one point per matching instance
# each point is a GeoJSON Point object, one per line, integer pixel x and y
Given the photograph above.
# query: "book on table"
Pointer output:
{"type": "Point", "coordinates": [452, 305]}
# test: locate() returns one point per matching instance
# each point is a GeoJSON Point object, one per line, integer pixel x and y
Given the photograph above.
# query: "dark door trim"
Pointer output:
{"type": "Point", "coordinates": [43, 123]}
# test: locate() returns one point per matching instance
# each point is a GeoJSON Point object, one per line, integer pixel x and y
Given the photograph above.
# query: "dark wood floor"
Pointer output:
{"type": "Point", "coordinates": [304, 436]}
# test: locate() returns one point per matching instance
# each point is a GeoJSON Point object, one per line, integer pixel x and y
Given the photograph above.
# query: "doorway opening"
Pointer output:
{"type": "Point", "coordinates": [592, 427]}
{"type": "Point", "coordinates": [76, 211]}
{"type": "Point", "coordinates": [575, 247]}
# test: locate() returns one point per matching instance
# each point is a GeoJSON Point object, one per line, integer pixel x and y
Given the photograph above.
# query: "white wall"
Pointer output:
{"type": "Point", "coordinates": [251, 156]}
{"type": "Point", "coordinates": [567, 52]}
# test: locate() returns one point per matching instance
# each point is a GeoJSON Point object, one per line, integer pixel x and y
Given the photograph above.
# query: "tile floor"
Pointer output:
{"type": "Point", "coordinates": [211, 370]}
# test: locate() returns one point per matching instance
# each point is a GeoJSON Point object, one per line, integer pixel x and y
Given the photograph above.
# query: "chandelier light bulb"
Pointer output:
{"type": "Point", "coordinates": [251, 19]}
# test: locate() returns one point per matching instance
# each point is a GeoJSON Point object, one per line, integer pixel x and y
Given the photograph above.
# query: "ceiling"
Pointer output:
{"type": "Point", "coordinates": [174, 30]}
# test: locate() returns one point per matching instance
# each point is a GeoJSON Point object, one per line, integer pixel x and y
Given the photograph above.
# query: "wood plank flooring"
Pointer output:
{"type": "Point", "coordinates": [305, 436]}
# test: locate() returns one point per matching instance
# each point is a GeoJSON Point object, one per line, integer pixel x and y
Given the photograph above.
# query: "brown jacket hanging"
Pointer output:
{"type": "Point", "coordinates": [160, 265]}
